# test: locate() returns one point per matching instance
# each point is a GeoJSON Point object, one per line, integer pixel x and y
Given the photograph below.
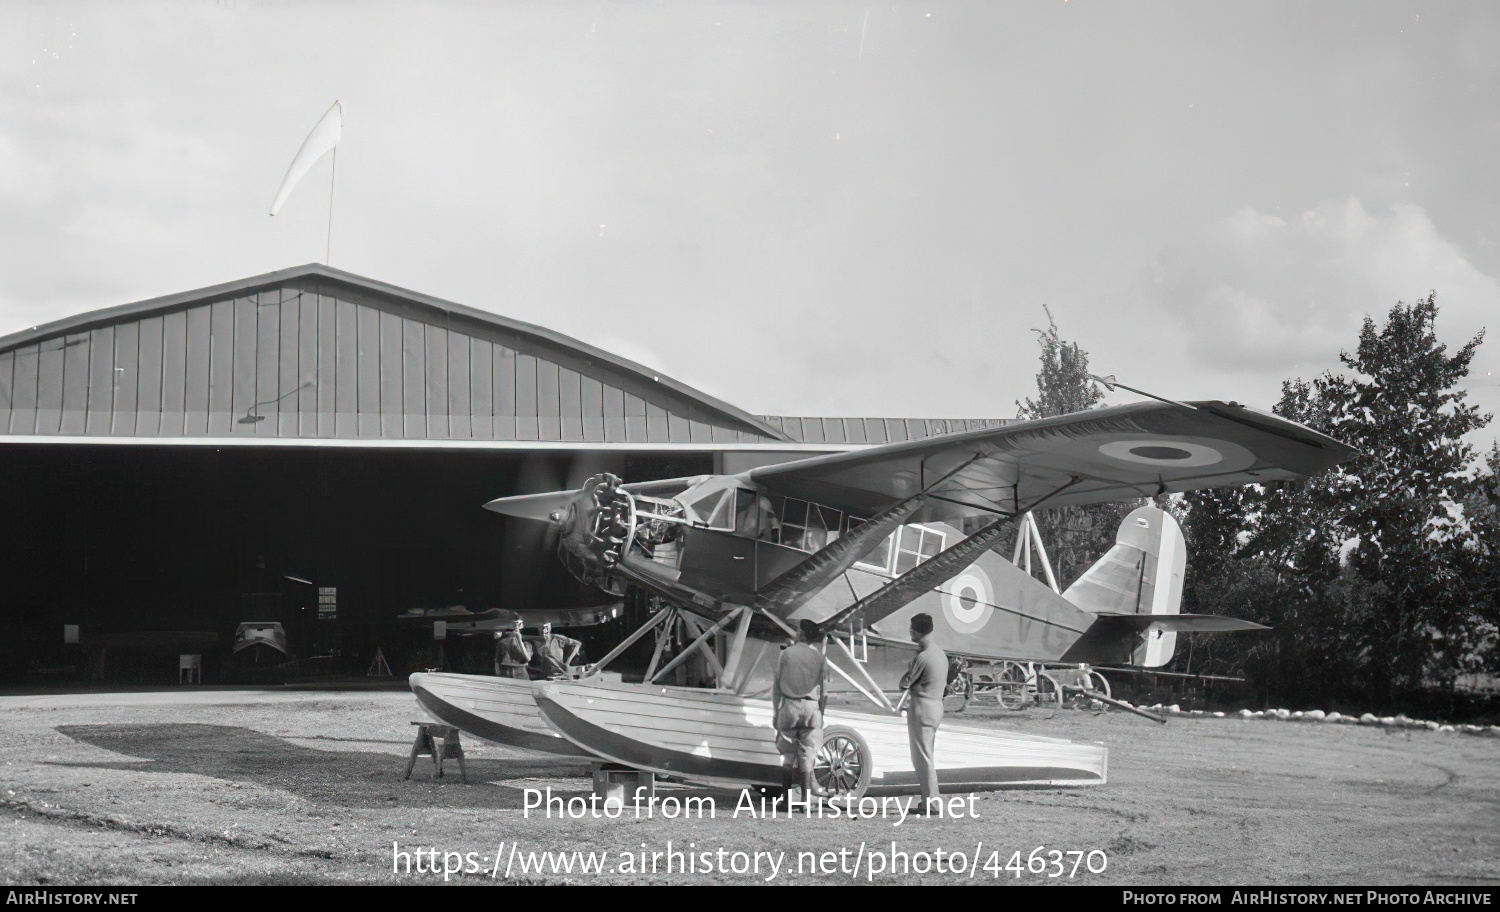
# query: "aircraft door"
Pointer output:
{"type": "Point", "coordinates": [719, 563]}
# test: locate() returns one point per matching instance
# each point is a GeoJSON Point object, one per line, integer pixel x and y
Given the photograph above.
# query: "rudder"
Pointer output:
{"type": "Point", "coordinates": [1141, 574]}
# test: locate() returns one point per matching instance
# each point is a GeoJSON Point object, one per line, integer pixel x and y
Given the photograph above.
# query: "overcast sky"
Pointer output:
{"type": "Point", "coordinates": [803, 208]}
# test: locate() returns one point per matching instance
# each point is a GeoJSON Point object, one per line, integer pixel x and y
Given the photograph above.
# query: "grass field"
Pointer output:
{"type": "Point", "coordinates": [204, 785]}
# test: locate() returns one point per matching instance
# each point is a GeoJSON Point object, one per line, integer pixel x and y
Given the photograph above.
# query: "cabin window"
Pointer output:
{"type": "Point", "coordinates": [788, 521]}
{"type": "Point", "coordinates": [879, 558]}
{"type": "Point", "coordinates": [809, 527]}
{"type": "Point", "coordinates": [754, 515]}
{"type": "Point", "coordinates": [714, 509]}
{"type": "Point", "coordinates": [917, 544]}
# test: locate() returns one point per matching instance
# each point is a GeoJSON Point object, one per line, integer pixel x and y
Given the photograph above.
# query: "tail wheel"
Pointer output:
{"type": "Point", "coordinates": [844, 766]}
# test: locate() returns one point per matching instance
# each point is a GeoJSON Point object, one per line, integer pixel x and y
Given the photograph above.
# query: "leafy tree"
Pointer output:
{"type": "Point", "coordinates": [1369, 573]}
{"type": "Point", "coordinates": [1482, 566]}
{"type": "Point", "coordinates": [1405, 411]}
{"type": "Point", "coordinates": [1075, 536]}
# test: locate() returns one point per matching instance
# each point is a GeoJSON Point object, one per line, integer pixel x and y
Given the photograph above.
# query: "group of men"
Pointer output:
{"type": "Point", "coordinates": [514, 653]}
{"type": "Point", "coordinates": [800, 696]}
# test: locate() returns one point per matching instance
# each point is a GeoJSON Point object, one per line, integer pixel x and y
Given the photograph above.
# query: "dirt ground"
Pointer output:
{"type": "Point", "coordinates": [206, 785]}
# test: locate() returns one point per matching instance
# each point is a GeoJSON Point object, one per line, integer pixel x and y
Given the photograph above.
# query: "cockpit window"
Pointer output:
{"type": "Point", "coordinates": [754, 515]}
{"type": "Point", "coordinates": [714, 508]}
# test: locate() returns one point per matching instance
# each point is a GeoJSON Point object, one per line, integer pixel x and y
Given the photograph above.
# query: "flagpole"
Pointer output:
{"type": "Point", "coordinates": [332, 183]}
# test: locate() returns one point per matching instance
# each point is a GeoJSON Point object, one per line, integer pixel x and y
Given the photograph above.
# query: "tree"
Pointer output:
{"type": "Point", "coordinates": [1369, 573]}
{"type": "Point", "coordinates": [1075, 536]}
{"type": "Point", "coordinates": [1404, 410]}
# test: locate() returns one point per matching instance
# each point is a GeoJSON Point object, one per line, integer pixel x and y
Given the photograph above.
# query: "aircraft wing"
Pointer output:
{"type": "Point", "coordinates": [1101, 455]}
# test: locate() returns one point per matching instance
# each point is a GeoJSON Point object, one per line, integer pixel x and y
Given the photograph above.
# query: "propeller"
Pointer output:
{"type": "Point", "coordinates": [540, 507]}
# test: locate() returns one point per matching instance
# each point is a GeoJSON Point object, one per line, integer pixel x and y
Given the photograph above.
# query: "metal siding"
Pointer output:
{"type": "Point", "coordinates": [23, 407]}
{"type": "Point", "coordinates": [75, 383]}
{"type": "Point", "coordinates": [148, 382]}
{"type": "Point", "coordinates": [243, 365]}
{"type": "Point", "coordinates": [635, 419]}
{"type": "Point", "coordinates": [327, 366]}
{"type": "Point", "coordinates": [656, 424]}
{"type": "Point", "coordinates": [875, 430]}
{"type": "Point", "coordinates": [392, 377]}
{"type": "Point", "coordinates": [482, 388]}
{"type": "Point", "coordinates": [414, 378]}
{"type": "Point", "coordinates": [368, 401]}
{"type": "Point", "coordinates": [267, 366]}
{"type": "Point", "coordinates": [570, 404]}
{"type": "Point", "coordinates": [334, 366]}
{"type": "Point", "coordinates": [526, 405]}
{"type": "Point", "coordinates": [591, 399]}
{"type": "Point", "coordinates": [345, 369]}
{"type": "Point", "coordinates": [7, 379]}
{"type": "Point", "coordinates": [812, 431]}
{"type": "Point", "coordinates": [505, 393]}
{"type": "Point", "coordinates": [101, 383]}
{"type": "Point", "coordinates": [219, 367]}
{"type": "Point", "coordinates": [289, 360]}
{"type": "Point", "coordinates": [267, 401]}
{"type": "Point", "coordinates": [549, 425]}
{"type": "Point", "coordinates": [126, 375]}
{"type": "Point", "coordinates": [437, 383]}
{"type": "Point", "coordinates": [459, 425]}
{"type": "Point", "coordinates": [677, 429]}
{"type": "Point", "coordinates": [614, 414]}
{"type": "Point", "coordinates": [307, 366]}
{"type": "Point", "coordinates": [174, 352]}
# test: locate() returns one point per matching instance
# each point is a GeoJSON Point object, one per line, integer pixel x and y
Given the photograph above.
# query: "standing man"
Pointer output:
{"type": "Point", "coordinates": [512, 653]}
{"type": "Point", "coordinates": [557, 653]}
{"type": "Point", "coordinates": [924, 683]}
{"type": "Point", "coordinates": [798, 700]}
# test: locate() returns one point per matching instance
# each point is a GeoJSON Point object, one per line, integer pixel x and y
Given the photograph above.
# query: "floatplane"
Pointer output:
{"type": "Point", "coordinates": [858, 542]}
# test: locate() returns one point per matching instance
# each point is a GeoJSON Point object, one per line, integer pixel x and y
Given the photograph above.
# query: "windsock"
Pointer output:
{"type": "Point", "coordinates": [323, 138]}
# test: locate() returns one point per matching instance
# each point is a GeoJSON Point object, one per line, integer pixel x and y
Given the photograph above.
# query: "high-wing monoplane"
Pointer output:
{"type": "Point", "coordinates": [859, 541]}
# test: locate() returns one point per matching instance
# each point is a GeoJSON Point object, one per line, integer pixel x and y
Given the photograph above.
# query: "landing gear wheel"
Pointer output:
{"type": "Point", "coordinates": [843, 767]}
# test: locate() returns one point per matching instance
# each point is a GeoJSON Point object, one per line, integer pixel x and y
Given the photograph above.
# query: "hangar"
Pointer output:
{"type": "Point", "coordinates": [312, 447]}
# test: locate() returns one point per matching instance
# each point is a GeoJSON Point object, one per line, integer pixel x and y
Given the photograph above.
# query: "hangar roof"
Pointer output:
{"type": "Point", "coordinates": [315, 354]}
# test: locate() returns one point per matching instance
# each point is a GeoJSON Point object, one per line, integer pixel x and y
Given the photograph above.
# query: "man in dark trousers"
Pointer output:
{"type": "Point", "coordinates": [798, 700]}
{"type": "Point", "coordinates": [512, 653]}
{"type": "Point", "coordinates": [924, 683]}
{"type": "Point", "coordinates": [557, 653]}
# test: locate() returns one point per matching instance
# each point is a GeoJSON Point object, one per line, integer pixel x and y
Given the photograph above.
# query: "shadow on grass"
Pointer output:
{"type": "Point", "coordinates": [353, 779]}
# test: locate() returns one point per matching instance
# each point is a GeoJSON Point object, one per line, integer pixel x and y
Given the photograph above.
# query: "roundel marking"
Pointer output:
{"type": "Point", "coordinates": [1158, 452]}
{"type": "Point", "coordinates": [968, 601]}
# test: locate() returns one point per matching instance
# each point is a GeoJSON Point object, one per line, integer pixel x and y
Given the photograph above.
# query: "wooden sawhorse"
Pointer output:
{"type": "Point", "coordinates": [439, 742]}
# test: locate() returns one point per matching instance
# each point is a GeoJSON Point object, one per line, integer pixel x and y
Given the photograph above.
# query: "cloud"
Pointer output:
{"type": "Point", "coordinates": [1261, 293]}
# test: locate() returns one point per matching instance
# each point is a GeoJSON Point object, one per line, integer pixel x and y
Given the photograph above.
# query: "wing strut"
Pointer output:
{"type": "Point", "coordinates": [792, 589]}
{"type": "Point", "coordinates": [899, 592]}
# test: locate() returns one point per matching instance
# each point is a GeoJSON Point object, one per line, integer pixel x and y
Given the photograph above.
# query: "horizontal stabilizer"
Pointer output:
{"type": "Point", "coordinates": [1185, 623]}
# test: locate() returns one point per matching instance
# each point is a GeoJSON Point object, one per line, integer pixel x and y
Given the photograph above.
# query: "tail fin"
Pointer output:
{"type": "Point", "coordinates": [1141, 574]}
